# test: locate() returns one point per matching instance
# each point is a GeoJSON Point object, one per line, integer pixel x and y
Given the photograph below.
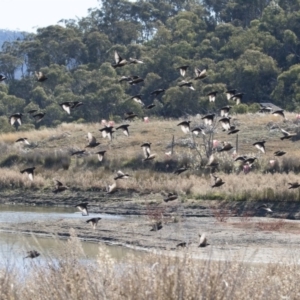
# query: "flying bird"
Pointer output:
{"type": "Point", "coordinates": [188, 84]}
{"type": "Point", "coordinates": [237, 97]}
{"type": "Point", "coordinates": [217, 181]}
{"type": "Point", "coordinates": [264, 207]}
{"type": "Point", "coordinates": [83, 208]}
{"type": "Point", "coordinates": [224, 111]}
{"type": "Point", "coordinates": [40, 76]}
{"type": "Point", "coordinates": [157, 92]}
{"type": "Point", "coordinates": [29, 172]}
{"type": "Point", "coordinates": [180, 170]}
{"type": "Point", "coordinates": [260, 146]}
{"type": "Point", "coordinates": [185, 126]}
{"type": "Point", "coordinates": [100, 154]}
{"type": "Point", "coordinates": [226, 147]}
{"type": "Point", "coordinates": [130, 116]}
{"type": "Point", "coordinates": [279, 153]}
{"type": "Point", "coordinates": [124, 128]}
{"type": "Point", "coordinates": [121, 175]}
{"type": "Point", "coordinates": [38, 117]}
{"type": "Point", "coordinates": [200, 74]}
{"type": "Point", "coordinates": [135, 81]}
{"type": "Point", "coordinates": [120, 62]}
{"type": "Point", "coordinates": [146, 149]}
{"type": "Point", "coordinates": [107, 131]}
{"type": "Point", "coordinates": [59, 187]}
{"type": "Point", "coordinates": [150, 106]}
{"type": "Point", "coordinates": [94, 222]}
{"type": "Point", "coordinates": [32, 254]}
{"type": "Point", "coordinates": [232, 130]}
{"type": "Point", "coordinates": [182, 70]}
{"type": "Point", "coordinates": [230, 94]}
{"type": "Point", "coordinates": [171, 197]}
{"type": "Point", "coordinates": [212, 96]}
{"type": "Point", "coordinates": [22, 140]}
{"type": "Point", "coordinates": [76, 104]}
{"type": "Point", "coordinates": [138, 99]}
{"type": "Point", "coordinates": [198, 130]}
{"type": "Point", "coordinates": [208, 119]}
{"type": "Point", "coordinates": [287, 135]}
{"type": "Point", "coordinates": [66, 106]}
{"type": "Point", "coordinates": [225, 122]}
{"type": "Point", "coordinates": [111, 188]}
{"type": "Point", "coordinates": [15, 118]}
{"type": "Point", "coordinates": [294, 185]}
{"type": "Point", "coordinates": [279, 112]}
{"type": "Point", "coordinates": [212, 161]}
{"type": "Point", "coordinates": [202, 240]}
{"type": "Point", "coordinates": [92, 141]}
{"type": "Point", "coordinates": [78, 153]}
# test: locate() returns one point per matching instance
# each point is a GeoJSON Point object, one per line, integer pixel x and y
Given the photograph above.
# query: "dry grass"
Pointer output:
{"type": "Point", "coordinates": [51, 148]}
{"type": "Point", "coordinates": [152, 276]}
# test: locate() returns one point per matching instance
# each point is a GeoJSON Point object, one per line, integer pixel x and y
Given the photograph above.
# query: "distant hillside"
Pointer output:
{"type": "Point", "coordinates": [8, 36]}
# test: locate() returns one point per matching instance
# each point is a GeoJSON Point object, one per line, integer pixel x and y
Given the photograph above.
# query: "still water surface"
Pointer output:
{"type": "Point", "coordinates": [13, 247]}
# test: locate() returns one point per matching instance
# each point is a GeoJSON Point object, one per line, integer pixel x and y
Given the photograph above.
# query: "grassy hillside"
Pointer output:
{"type": "Point", "coordinates": [50, 152]}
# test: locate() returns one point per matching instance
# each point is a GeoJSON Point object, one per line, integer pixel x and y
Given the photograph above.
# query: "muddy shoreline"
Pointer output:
{"type": "Point", "coordinates": [233, 229]}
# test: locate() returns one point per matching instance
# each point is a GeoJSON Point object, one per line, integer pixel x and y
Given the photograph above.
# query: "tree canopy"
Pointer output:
{"type": "Point", "coordinates": [250, 46]}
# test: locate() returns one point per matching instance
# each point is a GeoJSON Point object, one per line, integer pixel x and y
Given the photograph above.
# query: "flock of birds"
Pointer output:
{"type": "Point", "coordinates": [209, 123]}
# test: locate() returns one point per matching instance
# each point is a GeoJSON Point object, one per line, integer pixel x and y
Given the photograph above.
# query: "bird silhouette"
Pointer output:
{"type": "Point", "coordinates": [124, 128]}
{"type": "Point", "coordinates": [32, 254]}
{"type": "Point", "coordinates": [212, 96]}
{"type": "Point", "coordinates": [29, 172]}
{"type": "Point", "coordinates": [94, 222]}
{"type": "Point", "coordinates": [217, 181]}
{"type": "Point", "coordinates": [15, 118]}
{"type": "Point", "coordinates": [100, 154]}
{"type": "Point", "coordinates": [22, 140]}
{"type": "Point", "coordinates": [92, 141]}
{"type": "Point", "coordinates": [83, 207]}
{"type": "Point", "coordinates": [185, 126]}
{"type": "Point", "coordinates": [40, 77]}
{"type": "Point", "coordinates": [120, 62]}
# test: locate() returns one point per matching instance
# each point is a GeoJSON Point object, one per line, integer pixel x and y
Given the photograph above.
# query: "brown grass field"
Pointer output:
{"type": "Point", "coordinates": [50, 151]}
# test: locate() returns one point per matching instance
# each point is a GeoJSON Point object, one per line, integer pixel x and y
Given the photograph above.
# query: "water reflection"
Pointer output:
{"type": "Point", "coordinates": [13, 247]}
{"type": "Point", "coordinates": [23, 213]}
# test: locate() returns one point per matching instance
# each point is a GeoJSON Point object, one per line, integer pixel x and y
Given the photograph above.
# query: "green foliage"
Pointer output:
{"type": "Point", "coordinates": [251, 46]}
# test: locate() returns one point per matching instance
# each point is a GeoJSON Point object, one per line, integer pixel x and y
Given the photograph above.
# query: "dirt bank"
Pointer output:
{"type": "Point", "coordinates": [233, 229]}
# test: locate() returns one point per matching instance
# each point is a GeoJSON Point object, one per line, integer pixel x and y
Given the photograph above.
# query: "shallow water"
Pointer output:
{"type": "Point", "coordinates": [14, 247]}
{"type": "Point", "coordinates": [22, 213]}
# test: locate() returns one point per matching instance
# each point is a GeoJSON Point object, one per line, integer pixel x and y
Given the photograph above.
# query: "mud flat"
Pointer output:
{"type": "Point", "coordinates": [234, 230]}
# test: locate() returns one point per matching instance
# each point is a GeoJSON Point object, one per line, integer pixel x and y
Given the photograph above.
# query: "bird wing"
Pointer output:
{"type": "Point", "coordinates": [120, 173]}
{"type": "Point", "coordinates": [211, 160]}
{"type": "Point", "coordinates": [285, 133]}
{"type": "Point", "coordinates": [185, 128]}
{"type": "Point", "coordinates": [118, 58]}
{"type": "Point", "coordinates": [58, 183]}
{"type": "Point", "coordinates": [100, 156]}
{"type": "Point", "coordinates": [30, 175]}
{"type": "Point", "coordinates": [66, 108]}
{"type": "Point", "coordinates": [91, 138]}
{"type": "Point", "coordinates": [147, 151]}
{"type": "Point", "coordinates": [182, 72]}
{"type": "Point", "coordinates": [12, 120]}
{"type": "Point", "coordinates": [125, 131]}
